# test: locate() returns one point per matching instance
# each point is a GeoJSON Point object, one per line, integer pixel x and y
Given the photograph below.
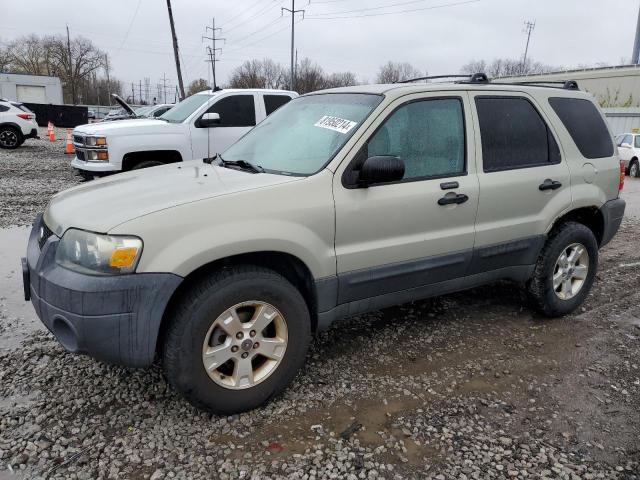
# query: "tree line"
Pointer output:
{"type": "Point", "coordinates": [81, 66]}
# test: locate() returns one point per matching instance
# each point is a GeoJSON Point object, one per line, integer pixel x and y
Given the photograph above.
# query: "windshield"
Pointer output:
{"type": "Point", "coordinates": [185, 108]}
{"type": "Point", "coordinates": [142, 111]}
{"type": "Point", "coordinates": [301, 137]}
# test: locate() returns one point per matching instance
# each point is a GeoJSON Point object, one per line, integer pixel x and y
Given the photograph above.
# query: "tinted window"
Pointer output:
{"type": "Point", "coordinates": [637, 141]}
{"type": "Point", "coordinates": [4, 108]}
{"type": "Point", "coordinates": [513, 135]}
{"type": "Point", "coordinates": [428, 135]}
{"type": "Point", "coordinates": [235, 111]}
{"type": "Point", "coordinates": [160, 111]}
{"type": "Point", "coordinates": [273, 102]}
{"type": "Point", "coordinates": [585, 125]}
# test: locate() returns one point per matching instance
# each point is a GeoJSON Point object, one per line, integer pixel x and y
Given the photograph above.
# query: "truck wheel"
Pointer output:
{"type": "Point", "coordinates": [236, 339]}
{"type": "Point", "coordinates": [565, 270]}
{"type": "Point", "coordinates": [147, 164]}
{"type": "Point", "coordinates": [10, 137]}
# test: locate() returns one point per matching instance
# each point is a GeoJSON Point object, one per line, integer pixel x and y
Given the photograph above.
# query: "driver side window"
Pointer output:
{"type": "Point", "coordinates": [235, 111]}
{"type": "Point", "coordinates": [428, 135]}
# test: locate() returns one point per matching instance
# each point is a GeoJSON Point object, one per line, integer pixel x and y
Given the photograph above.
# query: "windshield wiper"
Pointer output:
{"type": "Point", "coordinates": [241, 164]}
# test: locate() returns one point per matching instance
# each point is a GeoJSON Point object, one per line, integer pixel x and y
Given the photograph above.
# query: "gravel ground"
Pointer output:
{"type": "Point", "coordinates": [470, 385]}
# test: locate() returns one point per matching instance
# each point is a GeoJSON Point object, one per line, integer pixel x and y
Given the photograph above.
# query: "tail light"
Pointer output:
{"type": "Point", "coordinates": [622, 170]}
{"type": "Point", "coordinates": [26, 116]}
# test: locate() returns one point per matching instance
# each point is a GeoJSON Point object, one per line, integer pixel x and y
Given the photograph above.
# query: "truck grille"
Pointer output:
{"type": "Point", "coordinates": [43, 235]}
{"type": "Point", "coordinates": [78, 139]}
{"type": "Point", "coordinates": [80, 155]}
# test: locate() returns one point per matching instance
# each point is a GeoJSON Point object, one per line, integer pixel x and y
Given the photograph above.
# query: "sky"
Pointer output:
{"type": "Point", "coordinates": [436, 36]}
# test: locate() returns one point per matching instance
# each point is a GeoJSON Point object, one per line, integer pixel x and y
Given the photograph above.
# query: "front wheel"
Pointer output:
{"type": "Point", "coordinates": [634, 170]}
{"type": "Point", "coordinates": [565, 270]}
{"type": "Point", "coordinates": [10, 138]}
{"type": "Point", "coordinates": [236, 340]}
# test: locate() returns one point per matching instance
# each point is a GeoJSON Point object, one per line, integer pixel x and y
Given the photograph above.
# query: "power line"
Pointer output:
{"type": "Point", "coordinates": [293, 12]}
{"type": "Point", "coordinates": [255, 15]}
{"type": "Point", "coordinates": [241, 13]}
{"type": "Point", "coordinates": [528, 26]}
{"type": "Point", "coordinates": [213, 50]}
{"type": "Point", "coordinates": [262, 38]}
{"type": "Point", "coordinates": [242, 39]}
{"type": "Point", "coordinates": [126, 35]}
{"type": "Point", "coordinates": [391, 5]}
{"type": "Point", "coordinates": [433, 7]}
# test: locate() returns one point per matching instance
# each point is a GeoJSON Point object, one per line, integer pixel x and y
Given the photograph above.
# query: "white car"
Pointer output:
{"type": "Point", "coordinates": [153, 111]}
{"type": "Point", "coordinates": [17, 123]}
{"type": "Point", "coordinates": [629, 151]}
{"type": "Point", "coordinates": [198, 127]}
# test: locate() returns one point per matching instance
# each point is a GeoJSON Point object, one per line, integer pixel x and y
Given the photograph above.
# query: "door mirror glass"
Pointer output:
{"type": "Point", "coordinates": [209, 120]}
{"type": "Point", "coordinates": [381, 169]}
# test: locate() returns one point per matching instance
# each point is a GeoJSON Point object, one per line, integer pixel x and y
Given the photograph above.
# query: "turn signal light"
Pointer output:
{"type": "Point", "coordinates": [123, 257]}
{"type": "Point", "coordinates": [25, 116]}
{"type": "Point", "coordinates": [622, 169]}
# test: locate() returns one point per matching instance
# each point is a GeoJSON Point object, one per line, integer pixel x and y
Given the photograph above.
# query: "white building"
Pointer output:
{"type": "Point", "coordinates": [31, 88]}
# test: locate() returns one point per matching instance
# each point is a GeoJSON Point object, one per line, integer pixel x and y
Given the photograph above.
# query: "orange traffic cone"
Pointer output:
{"type": "Point", "coordinates": [68, 149]}
{"type": "Point", "coordinates": [49, 128]}
{"type": "Point", "coordinates": [52, 134]}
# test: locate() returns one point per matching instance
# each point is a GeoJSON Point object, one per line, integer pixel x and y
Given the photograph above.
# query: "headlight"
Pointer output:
{"type": "Point", "coordinates": [97, 155]}
{"type": "Point", "coordinates": [97, 254]}
{"type": "Point", "coordinates": [96, 141]}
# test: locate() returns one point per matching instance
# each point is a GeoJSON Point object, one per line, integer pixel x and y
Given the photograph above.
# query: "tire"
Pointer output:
{"type": "Point", "coordinates": [10, 137]}
{"type": "Point", "coordinates": [193, 319]}
{"type": "Point", "coordinates": [634, 168]}
{"type": "Point", "coordinates": [147, 164]}
{"type": "Point", "coordinates": [541, 285]}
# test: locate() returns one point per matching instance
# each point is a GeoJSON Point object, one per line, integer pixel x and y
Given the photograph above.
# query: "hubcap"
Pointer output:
{"type": "Point", "coordinates": [570, 271]}
{"type": "Point", "coordinates": [8, 138]}
{"type": "Point", "coordinates": [245, 344]}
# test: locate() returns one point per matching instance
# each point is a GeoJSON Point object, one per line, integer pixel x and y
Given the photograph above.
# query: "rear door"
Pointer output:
{"type": "Point", "coordinates": [524, 180]}
{"type": "Point", "coordinates": [395, 236]}
{"type": "Point", "coordinates": [625, 148]}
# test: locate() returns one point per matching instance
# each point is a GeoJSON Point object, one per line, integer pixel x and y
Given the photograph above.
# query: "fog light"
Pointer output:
{"type": "Point", "coordinates": [97, 156]}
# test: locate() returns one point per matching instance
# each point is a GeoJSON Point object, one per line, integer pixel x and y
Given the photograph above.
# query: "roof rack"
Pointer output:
{"type": "Point", "coordinates": [482, 79]}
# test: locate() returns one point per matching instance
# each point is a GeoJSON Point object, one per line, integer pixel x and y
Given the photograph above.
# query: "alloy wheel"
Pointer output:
{"type": "Point", "coordinates": [571, 270]}
{"type": "Point", "coordinates": [8, 138]}
{"type": "Point", "coordinates": [245, 345]}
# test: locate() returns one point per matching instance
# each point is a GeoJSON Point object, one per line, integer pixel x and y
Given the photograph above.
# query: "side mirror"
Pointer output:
{"type": "Point", "coordinates": [625, 145]}
{"type": "Point", "coordinates": [381, 169]}
{"type": "Point", "coordinates": [209, 120]}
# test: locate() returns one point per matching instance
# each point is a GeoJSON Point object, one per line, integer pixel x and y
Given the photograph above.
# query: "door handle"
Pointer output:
{"type": "Point", "coordinates": [549, 184]}
{"type": "Point", "coordinates": [451, 198]}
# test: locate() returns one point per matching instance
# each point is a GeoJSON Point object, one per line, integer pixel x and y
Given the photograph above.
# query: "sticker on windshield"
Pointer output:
{"type": "Point", "coordinates": [335, 123]}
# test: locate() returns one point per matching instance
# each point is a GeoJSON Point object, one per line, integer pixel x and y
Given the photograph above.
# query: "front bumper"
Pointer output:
{"type": "Point", "coordinates": [612, 213]}
{"type": "Point", "coordinates": [98, 167]}
{"type": "Point", "coordinates": [111, 318]}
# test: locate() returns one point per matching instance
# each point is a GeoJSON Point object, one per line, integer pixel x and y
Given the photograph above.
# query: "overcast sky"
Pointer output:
{"type": "Point", "coordinates": [437, 36]}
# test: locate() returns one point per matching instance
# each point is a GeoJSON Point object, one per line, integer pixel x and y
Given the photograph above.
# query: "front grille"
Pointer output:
{"type": "Point", "coordinates": [78, 139]}
{"type": "Point", "coordinates": [43, 235]}
{"type": "Point", "coordinates": [80, 155]}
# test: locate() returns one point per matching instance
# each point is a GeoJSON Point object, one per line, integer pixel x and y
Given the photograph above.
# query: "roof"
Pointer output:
{"type": "Point", "coordinates": [243, 90]}
{"type": "Point", "coordinates": [400, 89]}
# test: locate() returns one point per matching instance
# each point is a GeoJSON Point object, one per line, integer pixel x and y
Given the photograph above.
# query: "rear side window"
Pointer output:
{"type": "Point", "coordinates": [585, 125]}
{"type": "Point", "coordinates": [274, 102]}
{"type": "Point", "coordinates": [514, 135]}
{"type": "Point", "coordinates": [4, 108]}
{"type": "Point", "coordinates": [235, 111]}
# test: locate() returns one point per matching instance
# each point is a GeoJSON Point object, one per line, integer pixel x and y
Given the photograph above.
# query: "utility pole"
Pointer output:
{"type": "Point", "coordinates": [293, 12]}
{"type": "Point", "coordinates": [106, 68]}
{"type": "Point", "coordinates": [140, 91]}
{"type": "Point", "coordinates": [164, 88]}
{"type": "Point", "coordinates": [528, 27]}
{"type": "Point", "coordinates": [71, 80]}
{"type": "Point", "coordinates": [133, 94]}
{"type": "Point", "coordinates": [636, 44]}
{"type": "Point", "coordinates": [175, 49]}
{"type": "Point", "coordinates": [213, 49]}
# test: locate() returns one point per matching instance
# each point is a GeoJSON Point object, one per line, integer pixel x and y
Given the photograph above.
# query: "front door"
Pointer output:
{"type": "Point", "coordinates": [524, 180]}
{"type": "Point", "coordinates": [237, 116]}
{"type": "Point", "coordinates": [395, 236]}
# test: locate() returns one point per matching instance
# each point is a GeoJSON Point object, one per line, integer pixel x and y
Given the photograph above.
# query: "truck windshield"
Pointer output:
{"type": "Point", "coordinates": [301, 137]}
{"type": "Point", "coordinates": [185, 108]}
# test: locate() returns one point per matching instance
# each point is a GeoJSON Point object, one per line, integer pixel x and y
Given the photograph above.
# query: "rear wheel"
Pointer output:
{"type": "Point", "coordinates": [10, 137]}
{"type": "Point", "coordinates": [147, 164]}
{"type": "Point", "coordinates": [634, 169]}
{"type": "Point", "coordinates": [237, 339]}
{"type": "Point", "coordinates": [565, 270]}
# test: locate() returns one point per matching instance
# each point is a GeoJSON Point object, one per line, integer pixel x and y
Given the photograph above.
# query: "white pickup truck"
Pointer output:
{"type": "Point", "coordinates": [198, 127]}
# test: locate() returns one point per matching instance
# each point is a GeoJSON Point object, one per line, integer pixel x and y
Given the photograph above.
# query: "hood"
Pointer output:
{"type": "Point", "coordinates": [101, 205]}
{"type": "Point", "coordinates": [131, 126]}
{"type": "Point", "coordinates": [123, 104]}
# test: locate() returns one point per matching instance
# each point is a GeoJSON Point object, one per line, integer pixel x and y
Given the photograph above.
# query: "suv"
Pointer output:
{"type": "Point", "coordinates": [17, 123]}
{"type": "Point", "coordinates": [199, 126]}
{"type": "Point", "coordinates": [342, 202]}
{"type": "Point", "coordinates": [629, 151]}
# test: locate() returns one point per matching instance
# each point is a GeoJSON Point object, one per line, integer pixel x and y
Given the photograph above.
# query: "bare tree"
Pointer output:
{"type": "Point", "coordinates": [258, 74]}
{"type": "Point", "coordinates": [393, 72]}
{"type": "Point", "coordinates": [5, 57]}
{"type": "Point", "coordinates": [341, 79]}
{"type": "Point", "coordinates": [198, 85]}
{"type": "Point", "coordinates": [506, 67]}
{"type": "Point", "coordinates": [309, 76]}
{"type": "Point", "coordinates": [26, 55]}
